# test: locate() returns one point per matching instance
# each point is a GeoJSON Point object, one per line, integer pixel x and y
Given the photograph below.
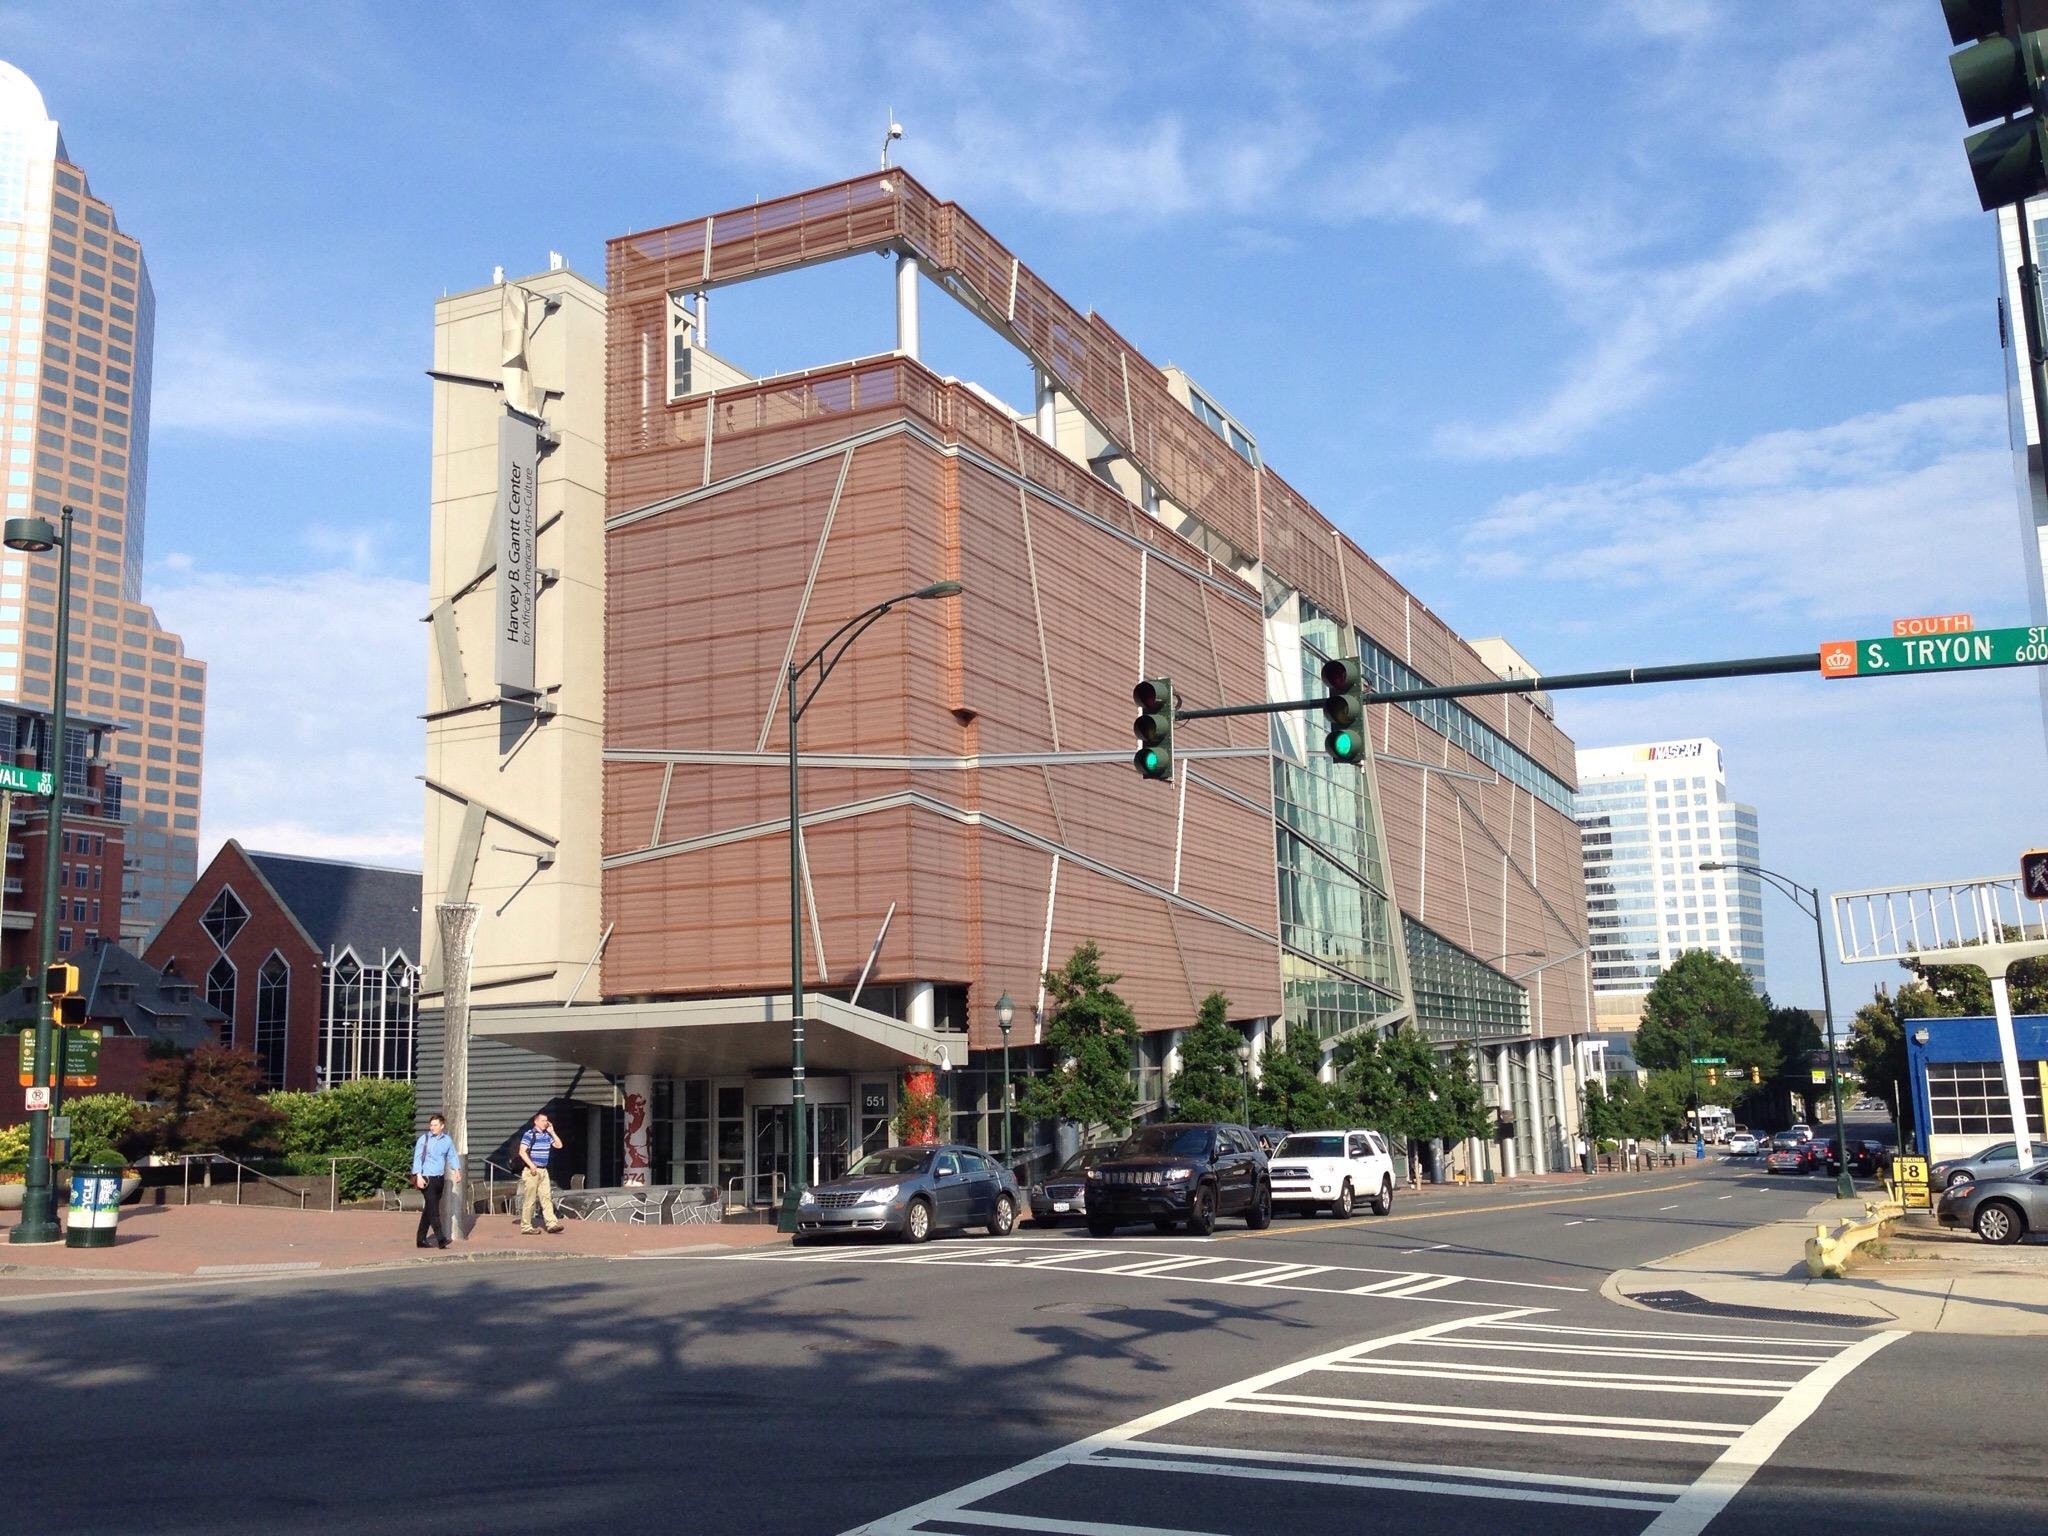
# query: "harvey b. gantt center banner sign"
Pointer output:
{"type": "Point", "coordinates": [515, 521]}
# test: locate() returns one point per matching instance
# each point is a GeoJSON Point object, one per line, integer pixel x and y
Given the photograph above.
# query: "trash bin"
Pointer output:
{"type": "Point", "coordinates": [95, 1206]}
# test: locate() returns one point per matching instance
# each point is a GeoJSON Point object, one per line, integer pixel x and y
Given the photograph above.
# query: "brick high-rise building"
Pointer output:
{"type": "Point", "coordinates": [77, 325]}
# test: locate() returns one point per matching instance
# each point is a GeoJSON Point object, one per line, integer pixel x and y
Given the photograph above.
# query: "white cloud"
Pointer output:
{"type": "Point", "coordinates": [314, 688]}
{"type": "Point", "coordinates": [212, 383]}
{"type": "Point", "coordinates": [1881, 513]}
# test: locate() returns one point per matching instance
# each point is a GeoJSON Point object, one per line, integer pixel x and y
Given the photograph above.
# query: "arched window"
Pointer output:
{"type": "Point", "coordinates": [273, 1007]}
{"type": "Point", "coordinates": [220, 993]}
{"type": "Point", "coordinates": [398, 1018]}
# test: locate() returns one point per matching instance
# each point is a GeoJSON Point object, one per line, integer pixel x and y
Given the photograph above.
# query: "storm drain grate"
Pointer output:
{"type": "Point", "coordinates": [1685, 1301]}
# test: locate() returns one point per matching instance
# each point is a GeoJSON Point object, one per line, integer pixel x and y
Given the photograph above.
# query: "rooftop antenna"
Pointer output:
{"type": "Point", "coordinates": [894, 133]}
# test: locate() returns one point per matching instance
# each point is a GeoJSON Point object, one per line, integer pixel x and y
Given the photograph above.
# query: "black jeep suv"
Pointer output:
{"type": "Point", "coordinates": [1173, 1173]}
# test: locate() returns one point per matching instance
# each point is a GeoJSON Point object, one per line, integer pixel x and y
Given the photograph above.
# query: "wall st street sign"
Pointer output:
{"type": "Point", "coordinates": [24, 781]}
{"type": "Point", "coordinates": [2020, 646]}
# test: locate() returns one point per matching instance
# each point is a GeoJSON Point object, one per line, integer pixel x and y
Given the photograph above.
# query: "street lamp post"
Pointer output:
{"type": "Point", "coordinates": [38, 1224]}
{"type": "Point", "coordinates": [1244, 1081]}
{"type": "Point", "coordinates": [1005, 1011]}
{"type": "Point", "coordinates": [1845, 1186]}
{"type": "Point", "coordinates": [824, 658]}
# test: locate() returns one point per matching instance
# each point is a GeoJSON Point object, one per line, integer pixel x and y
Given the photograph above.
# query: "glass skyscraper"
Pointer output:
{"type": "Point", "coordinates": [1649, 815]}
{"type": "Point", "coordinates": [77, 326]}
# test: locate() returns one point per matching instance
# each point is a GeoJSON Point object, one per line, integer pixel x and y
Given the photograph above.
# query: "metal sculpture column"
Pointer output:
{"type": "Point", "coordinates": [458, 936]}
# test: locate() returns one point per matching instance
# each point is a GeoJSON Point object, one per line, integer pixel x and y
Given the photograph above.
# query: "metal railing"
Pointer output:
{"type": "Point", "coordinates": [212, 1159]}
{"type": "Point", "coordinates": [334, 1175]}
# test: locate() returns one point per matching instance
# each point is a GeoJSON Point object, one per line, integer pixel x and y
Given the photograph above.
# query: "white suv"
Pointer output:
{"type": "Point", "coordinates": [1338, 1169]}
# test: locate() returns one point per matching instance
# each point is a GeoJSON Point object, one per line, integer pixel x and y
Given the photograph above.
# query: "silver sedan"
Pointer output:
{"type": "Point", "coordinates": [1999, 1210]}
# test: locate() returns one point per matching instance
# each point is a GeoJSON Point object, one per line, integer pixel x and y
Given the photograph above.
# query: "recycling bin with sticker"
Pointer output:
{"type": "Point", "coordinates": [95, 1206]}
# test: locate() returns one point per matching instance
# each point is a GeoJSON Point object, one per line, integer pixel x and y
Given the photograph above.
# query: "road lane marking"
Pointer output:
{"type": "Point", "coordinates": [1155, 1266]}
{"type": "Point", "coordinates": [1009, 1522]}
{"type": "Point", "coordinates": [951, 1508]}
{"type": "Point", "coordinates": [1123, 1456]}
{"type": "Point", "coordinates": [1428, 1285]}
{"type": "Point", "coordinates": [1711, 1492]}
{"type": "Point", "coordinates": [1724, 1197]}
{"type": "Point", "coordinates": [1624, 1354]}
{"type": "Point", "coordinates": [1468, 1210]}
{"type": "Point", "coordinates": [1665, 1491]}
{"type": "Point", "coordinates": [1634, 1333]}
{"type": "Point", "coordinates": [1448, 1417]}
{"type": "Point", "coordinates": [1667, 1208]}
{"type": "Point", "coordinates": [1431, 1248]}
{"type": "Point", "coordinates": [1547, 1372]}
{"type": "Point", "coordinates": [1583, 1221]}
{"type": "Point", "coordinates": [1594, 1380]}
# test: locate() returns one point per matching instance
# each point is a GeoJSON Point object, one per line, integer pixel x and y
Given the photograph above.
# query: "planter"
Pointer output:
{"type": "Point", "coordinates": [10, 1195]}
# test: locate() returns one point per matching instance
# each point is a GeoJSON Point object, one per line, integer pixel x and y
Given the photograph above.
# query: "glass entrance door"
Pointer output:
{"type": "Point", "coordinates": [829, 1126]}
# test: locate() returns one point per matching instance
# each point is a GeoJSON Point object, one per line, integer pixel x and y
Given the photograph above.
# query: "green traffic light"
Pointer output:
{"type": "Point", "coordinates": [1341, 744]}
{"type": "Point", "coordinates": [1151, 760]}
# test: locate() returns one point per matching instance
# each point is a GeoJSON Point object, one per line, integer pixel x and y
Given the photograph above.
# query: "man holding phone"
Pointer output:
{"type": "Point", "coordinates": [536, 1144]}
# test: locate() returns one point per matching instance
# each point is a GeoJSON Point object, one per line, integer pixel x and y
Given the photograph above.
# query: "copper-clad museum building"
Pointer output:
{"type": "Point", "coordinates": [631, 540]}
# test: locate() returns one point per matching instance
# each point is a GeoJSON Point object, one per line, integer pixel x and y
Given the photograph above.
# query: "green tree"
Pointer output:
{"type": "Point", "coordinates": [1366, 1074]}
{"type": "Point", "coordinates": [1464, 1113]}
{"type": "Point", "coordinates": [1794, 1031]}
{"type": "Point", "coordinates": [1290, 1091]}
{"type": "Point", "coordinates": [1704, 1005]}
{"type": "Point", "coordinates": [1092, 1036]}
{"type": "Point", "coordinates": [1210, 1082]}
{"type": "Point", "coordinates": [209, 1099]}
{"type": "Point", "coordinates": [1877, 1043]}
{"type": "Point", "coordinates": [366, 1118]}
{"type": "Point", "coordinates": [1603, 1123]}
{"type": "Point", "coordinates": [102, 1125]}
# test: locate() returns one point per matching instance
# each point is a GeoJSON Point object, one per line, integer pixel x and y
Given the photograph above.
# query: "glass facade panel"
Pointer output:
{"type": "Point", "coordinates": [1967, 1098]}
{"type": "Point", "coordinates": [1457, 995]}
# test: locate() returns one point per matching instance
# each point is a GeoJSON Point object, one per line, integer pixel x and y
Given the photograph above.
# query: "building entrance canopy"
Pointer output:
{"type": "Point", "coordinates": [719, 1036]}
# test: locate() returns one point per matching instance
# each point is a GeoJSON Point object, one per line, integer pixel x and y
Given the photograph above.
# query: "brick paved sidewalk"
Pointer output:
{"type": "Point", "coordinates": [162, 1241]}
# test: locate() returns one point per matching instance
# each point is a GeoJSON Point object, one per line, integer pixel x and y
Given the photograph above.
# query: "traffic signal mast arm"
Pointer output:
{"type": "Point", "coordinates": [1682, 672]}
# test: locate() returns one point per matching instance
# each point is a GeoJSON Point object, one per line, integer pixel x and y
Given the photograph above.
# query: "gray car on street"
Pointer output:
{"type": "Point", "coordinates": [2001, 1210]}
{"type": "Point", "coordinates": [1993, 1162]}
{"type": "Point", "coordinates": [912, 1192]}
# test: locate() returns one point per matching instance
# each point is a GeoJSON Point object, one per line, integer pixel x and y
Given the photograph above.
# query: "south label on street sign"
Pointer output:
{"type": "Point", "coordinates": [24, 781]}
{"type": "Point", "coordinates": [2020, 646]}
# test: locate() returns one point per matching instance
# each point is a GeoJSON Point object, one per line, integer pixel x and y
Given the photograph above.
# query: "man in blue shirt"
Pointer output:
{"type": "Point", "coordinates": [536, 1143]}
{"type": "Point", "coordinates": [435, 1164]}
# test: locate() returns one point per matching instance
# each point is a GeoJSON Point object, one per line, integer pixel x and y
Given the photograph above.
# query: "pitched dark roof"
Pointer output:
{"type": "Point", "coordinates": [347, 905]}
{"type": "Point", "coordinates": [132, 996]}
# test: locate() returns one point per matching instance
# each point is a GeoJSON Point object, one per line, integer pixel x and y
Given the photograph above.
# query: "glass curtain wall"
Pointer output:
{"type": "Point", "coordinates": [1339, 970]}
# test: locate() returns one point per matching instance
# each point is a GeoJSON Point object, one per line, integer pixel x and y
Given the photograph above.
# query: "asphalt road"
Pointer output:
{"type": "Point", "coordinates": [1433, 1371]}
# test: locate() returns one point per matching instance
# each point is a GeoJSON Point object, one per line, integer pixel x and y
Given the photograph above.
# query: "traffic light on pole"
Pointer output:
{"type": "Point", "coordinates": [1345, 709]}
{"type": "Point", "coordinates": [1756, 1074]}
{"type": "Point", "coordinates": [1713, 1074]}
{"type": "Point", "coordinates": [2000, 74]}
{"type": "Point", "coordinates": [1154, 727]}
{"type": "Point", "coordinates": [60, 980]}
{"type": "Point", "coordinates": [70, 1010]}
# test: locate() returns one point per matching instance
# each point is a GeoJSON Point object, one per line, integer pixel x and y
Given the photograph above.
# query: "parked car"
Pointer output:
{"type": "Point", "coordinates": [1800, 1157]}
{"type": "Point", "coordinates": [913, 1192]}
{"type": "Point", "coordinates": [1994, 1162]}
{"type": "Point", "coordinates": [1181, 1172]}
{"type": "Point", "coordinates": [1063, 1192]}
{"type": "Point", "coordinates": [1337, 1169]}
{"type": "Point", "coordinates": [1866, 1158]}
{"type": "Point", "coordinates": [1742, 1144]}
{"type": "Point", "coordinates": [2001, 1210]}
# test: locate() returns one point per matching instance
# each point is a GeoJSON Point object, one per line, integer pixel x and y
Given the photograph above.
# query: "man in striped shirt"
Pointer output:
{"type": "Point", "coordinates": [536, 1143]}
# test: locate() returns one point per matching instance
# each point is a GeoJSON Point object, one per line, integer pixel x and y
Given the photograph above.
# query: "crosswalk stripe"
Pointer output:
{"type": "Point", "coordinates": [1450, 1418]}
{"type": "Point", "coordinates": [1830, 1345]}
{"type": "Point", "coordinates": [1436, 1284]}
{"type": "Point", "coordinates": [1622, 1354]}
{"type": "Point", "coordinates": [1548, 1373]}
{"type": "Point", "coordinates": [1287, 1272]}
{"type": "Point", "coordinates": [1594, 1381]}
{"type": "Point", "coordinates": [1664, 1491]}
{"type": "Point", "coordinates": [1154, 1266]}
{"type": "Point", "coordinates": [1517, 1415]}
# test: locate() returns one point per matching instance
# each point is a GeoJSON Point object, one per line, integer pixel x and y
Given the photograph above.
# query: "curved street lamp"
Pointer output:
{"type": "Point", "coordinates": [1845, 1187]}
{"type": "Point", "coordinates": [824, 658]}
{"type": "Point", "coordinates": [38, 1224]}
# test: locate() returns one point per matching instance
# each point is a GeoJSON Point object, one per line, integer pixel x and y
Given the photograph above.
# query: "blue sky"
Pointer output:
{"type": "Point", "coordinates": [1638, 332]}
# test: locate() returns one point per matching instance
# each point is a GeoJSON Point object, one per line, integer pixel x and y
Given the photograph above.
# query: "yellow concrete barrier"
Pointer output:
{"type": "Point", "coordinates": [1827, 1252]}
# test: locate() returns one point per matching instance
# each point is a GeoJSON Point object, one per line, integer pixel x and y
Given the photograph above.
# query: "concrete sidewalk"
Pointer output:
{"type": "Point", "coordinates": [1970, 1289]}
{"type": "Point", "coordinates": [203, 1241]}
